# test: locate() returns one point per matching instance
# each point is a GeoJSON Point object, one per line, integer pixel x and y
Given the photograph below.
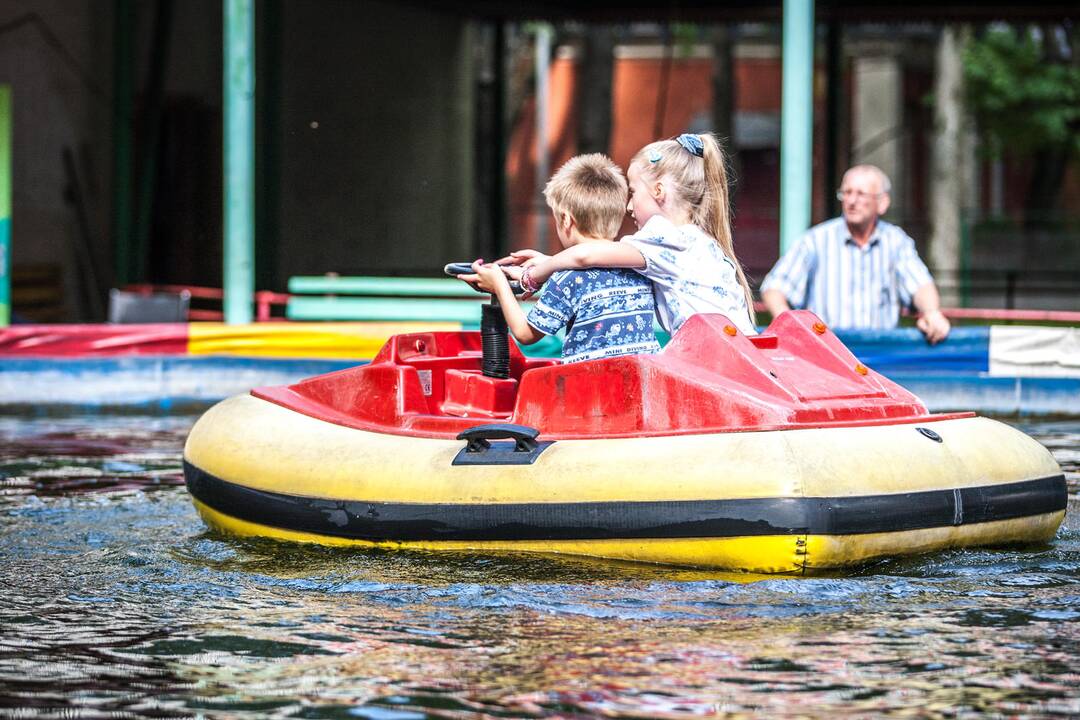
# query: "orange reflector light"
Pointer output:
{"type": "Point", "coordinates": [819, 328]}
{"type": "Point", "coordinates": [730, 330]}
{"type": "Point", "coordinates": [861, 369]}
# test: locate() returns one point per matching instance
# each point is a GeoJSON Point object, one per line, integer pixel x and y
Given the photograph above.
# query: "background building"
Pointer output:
{"type": "Point", "coordinates": [392, 137]}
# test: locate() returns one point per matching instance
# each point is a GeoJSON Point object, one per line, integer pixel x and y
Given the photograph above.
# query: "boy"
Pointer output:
{"type": "Point", "coordinates": [606, 312]}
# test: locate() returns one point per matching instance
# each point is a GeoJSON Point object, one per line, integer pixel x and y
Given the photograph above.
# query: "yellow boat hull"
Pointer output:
{"type": "Point", "coordinates": [791, 501]}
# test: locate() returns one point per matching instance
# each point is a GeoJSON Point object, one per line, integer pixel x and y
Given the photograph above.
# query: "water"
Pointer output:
{"type": "Point", "coordinates": [118, 603]}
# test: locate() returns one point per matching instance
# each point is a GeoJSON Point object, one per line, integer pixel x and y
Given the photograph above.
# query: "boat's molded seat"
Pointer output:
{"type": "Point", "coordinates": [711, 378]}
{"type": "Point", "coordinates": [427, 384]}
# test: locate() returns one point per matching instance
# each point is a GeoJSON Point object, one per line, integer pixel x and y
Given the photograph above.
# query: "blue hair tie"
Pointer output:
{"type": "Point", "coordinates": [692, 144]}
{"type": "Point", "coordinates": [654, 156]}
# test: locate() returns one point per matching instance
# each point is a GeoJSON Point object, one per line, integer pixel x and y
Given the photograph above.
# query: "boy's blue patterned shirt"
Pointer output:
{"type": "Point", "coordinates": [606, 312]}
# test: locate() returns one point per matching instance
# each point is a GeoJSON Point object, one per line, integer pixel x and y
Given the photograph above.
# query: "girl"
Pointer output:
{"type": "Point", "coordinates": [679, 200]}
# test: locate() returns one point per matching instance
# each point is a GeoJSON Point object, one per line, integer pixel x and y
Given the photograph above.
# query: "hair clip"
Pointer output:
{"type": "Point", "coordinates": [692, 144]}
{"type": "Point", "coordinates": [654, 156]}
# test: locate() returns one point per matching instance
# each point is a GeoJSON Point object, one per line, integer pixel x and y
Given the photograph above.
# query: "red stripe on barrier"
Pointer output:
{"type": "Point", "coordinates": [94, 340]}
{"type": "Point", "coordinates": [1066, 316]}
{"type": "Point", "coordinates": [1062, 316]}
{"type": "Point", "coordinates": [196, 291]}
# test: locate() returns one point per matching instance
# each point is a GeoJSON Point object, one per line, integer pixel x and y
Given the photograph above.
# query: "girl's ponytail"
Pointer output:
{"type": "Point", "coordinates": [696, 169]}
{"type": "Point", "coordinates": [713, 213]}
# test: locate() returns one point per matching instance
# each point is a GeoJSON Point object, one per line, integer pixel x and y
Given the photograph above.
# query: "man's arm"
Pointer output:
{"type": "Point", "coordinates": [933, 324]}
{"type": "Point", "coordinates": [786, 283]}
{"type": "Point", "coordinates": [915, 283]}
{"type": "Point", "coordinates": [587, 255]}
{"type": "Point", "coordinates": [775, 301]}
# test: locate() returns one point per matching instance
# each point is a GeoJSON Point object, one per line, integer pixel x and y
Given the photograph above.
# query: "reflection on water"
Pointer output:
{"type": "Point", "coordinates": [118, 602]}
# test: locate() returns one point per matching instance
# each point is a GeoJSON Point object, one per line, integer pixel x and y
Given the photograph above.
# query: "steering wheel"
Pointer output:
{"type": "Point", "coordinates": [464, 268]}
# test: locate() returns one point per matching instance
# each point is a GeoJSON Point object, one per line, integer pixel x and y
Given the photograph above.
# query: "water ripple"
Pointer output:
{"type": "Point", "coordinates": [124, 605]}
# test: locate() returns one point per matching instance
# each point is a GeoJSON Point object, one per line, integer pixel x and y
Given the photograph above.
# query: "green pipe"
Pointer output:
{"type": "Point", "coordinates": [383, 309]}
{"type": "Point", "coordinates": [5, 205]}
{"type": "Point", "coordinates": [123, 84]}
{"type": "Point", "coordinates": [374, 285]}
{"type": "Point", "coordinates": [239, 84]}
{"type": "Point", "coordinates": [796, 121]}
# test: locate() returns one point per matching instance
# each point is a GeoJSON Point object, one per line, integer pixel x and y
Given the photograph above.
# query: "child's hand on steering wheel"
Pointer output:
{"type": "Point", "coordinates": [513, 271]}
{"type": "Point", "coordinates": [522, 259]}
{"type": "Point", "coordinates": [488, 277]}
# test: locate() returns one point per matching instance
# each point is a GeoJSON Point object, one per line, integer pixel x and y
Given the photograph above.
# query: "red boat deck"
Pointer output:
{"type": "Point", "coordinates": [710, 378]}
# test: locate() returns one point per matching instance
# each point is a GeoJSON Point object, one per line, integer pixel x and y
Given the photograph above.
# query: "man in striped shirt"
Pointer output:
{"type": "Point", "coordinates": [855, 271]}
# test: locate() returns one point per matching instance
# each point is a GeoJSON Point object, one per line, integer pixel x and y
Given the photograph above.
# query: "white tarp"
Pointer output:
{"type": "Point", "coordinates": [1022, 351]}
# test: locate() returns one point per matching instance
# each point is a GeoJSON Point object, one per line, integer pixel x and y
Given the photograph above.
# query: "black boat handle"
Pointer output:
{"type": "Point", "coordinates": [477, 438]}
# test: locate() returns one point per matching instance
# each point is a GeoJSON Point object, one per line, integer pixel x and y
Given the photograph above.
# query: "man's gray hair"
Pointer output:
{"type": "Point", "coordinates": [883, 179]}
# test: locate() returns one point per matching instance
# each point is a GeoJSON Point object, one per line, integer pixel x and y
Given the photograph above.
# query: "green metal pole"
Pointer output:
{"type": "Point", "coordinates": [796, 121]}
{"type": "Point", "coordinates": [5, 205]}
{"type": "Point", "coordinates": [239, 84]}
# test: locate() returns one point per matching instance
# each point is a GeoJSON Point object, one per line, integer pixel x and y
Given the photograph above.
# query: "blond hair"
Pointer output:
{"type": "Point", "coordinates": [701, 184]}
{"type": "Point", "coordinates": [592, 190]}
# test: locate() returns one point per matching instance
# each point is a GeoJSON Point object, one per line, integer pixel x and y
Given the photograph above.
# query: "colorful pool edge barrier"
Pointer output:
{"type": "Point", "coordinates": [996, 369]}
{"type": "Point", "coordinates": [353, 341]}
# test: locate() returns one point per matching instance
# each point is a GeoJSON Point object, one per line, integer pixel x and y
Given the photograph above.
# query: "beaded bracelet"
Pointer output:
{"type": "Point", "coordinates": [526, 281]}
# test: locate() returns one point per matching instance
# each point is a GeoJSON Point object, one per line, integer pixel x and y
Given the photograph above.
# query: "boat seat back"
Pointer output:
{"type": "Point", "coordinates": [470, 393]}
{"type": "Point", "coordinates": [712, 378]}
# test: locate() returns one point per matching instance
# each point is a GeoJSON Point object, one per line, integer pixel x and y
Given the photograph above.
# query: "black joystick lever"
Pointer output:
{"type": "Point", "coordinates": [494, 335]}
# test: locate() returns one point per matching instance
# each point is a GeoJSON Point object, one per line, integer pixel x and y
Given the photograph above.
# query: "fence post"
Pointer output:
{"type": "Point", "coordinates": [5, 205]}
{"type": "Point", "coordinates": [965, 259]}
{"type": "Point", "coordinates": [543, 84]}
{"type": "Point", "coordinates": [123, 133]}
{"type": "Point", "coordinates": [1010, 289]}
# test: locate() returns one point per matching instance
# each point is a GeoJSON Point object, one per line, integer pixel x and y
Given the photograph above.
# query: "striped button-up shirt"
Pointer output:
{"type": "Point", "coordinates": [849, 286]}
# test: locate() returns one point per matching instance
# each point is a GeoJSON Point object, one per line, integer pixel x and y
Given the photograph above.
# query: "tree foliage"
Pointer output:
{"type": "Point", "coordinates": [1024, 88]}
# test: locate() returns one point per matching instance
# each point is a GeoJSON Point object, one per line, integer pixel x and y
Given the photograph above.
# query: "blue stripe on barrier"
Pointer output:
{"type": "Point", "coordinates": [1049, 396]}
{"type": "Point", "coordinates": [942, 391]}
{"type": "Point", "coordinates": [966, 350]}
{"type": "Point", "coordinates": [159, 381]}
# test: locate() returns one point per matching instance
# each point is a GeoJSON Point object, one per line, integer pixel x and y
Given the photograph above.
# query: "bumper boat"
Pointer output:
{"type": "Point", "coordinates": [774, 453]}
